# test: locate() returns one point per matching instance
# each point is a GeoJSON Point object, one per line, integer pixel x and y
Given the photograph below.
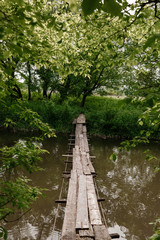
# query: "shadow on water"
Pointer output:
{"type": "Point", "coordinates": [130, 187]}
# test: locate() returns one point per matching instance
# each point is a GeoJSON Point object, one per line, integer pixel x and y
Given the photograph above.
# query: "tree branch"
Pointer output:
{"type": "Point", "coordinates": [156, 10]}
{"type": "Point", "coordinates": [9, 221]}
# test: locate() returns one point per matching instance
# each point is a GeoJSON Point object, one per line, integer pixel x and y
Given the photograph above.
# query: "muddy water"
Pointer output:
{"type": "Point", "coordinates": [130, 188]}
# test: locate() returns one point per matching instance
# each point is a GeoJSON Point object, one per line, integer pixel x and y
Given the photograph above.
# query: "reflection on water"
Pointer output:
{"type": "Point", "coordinates": [130, 188]}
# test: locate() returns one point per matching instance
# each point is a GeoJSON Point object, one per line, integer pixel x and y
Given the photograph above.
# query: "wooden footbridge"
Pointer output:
{"type": "Point", "coordinates": [83, 216]}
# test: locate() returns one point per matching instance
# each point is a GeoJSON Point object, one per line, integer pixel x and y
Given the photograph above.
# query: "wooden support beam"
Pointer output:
{"type": "Point", "coordinates": [68, 161]}
{"type": "Point", "coordinates": [66, 172]}
{"type": "Point", "coordinates": [67, 155]}
{"type": "Point", "coordinates": [61, 201]}
{"type": "Point", "coordinates": [101, 199]}
{"type": "Point", "coordinates": [66, 175]}
{"type": "Point", "coordinates": [87, 233]}
{"type": "Point", "coordinates": [114, 235]}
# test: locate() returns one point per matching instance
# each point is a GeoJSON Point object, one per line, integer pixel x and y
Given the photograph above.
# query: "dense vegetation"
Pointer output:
{"type": "Point", "coordinates": [72, 50]}
{"type": "Point", "coordinates": [105, 116]}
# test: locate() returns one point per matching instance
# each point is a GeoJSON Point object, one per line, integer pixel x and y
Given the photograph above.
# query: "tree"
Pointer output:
{"type": "Point", "coordinates": [22, 40]}
{"type": "Point", "coordinates": [48, 81]}
{"type": "Point", "coordinates": [86, 53]}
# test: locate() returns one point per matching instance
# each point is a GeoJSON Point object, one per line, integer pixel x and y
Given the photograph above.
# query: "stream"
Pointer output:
{"type": "Point", "coordinates": [130, 188]}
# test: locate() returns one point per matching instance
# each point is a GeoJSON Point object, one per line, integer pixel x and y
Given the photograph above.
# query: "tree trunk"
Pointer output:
{"type": "Point", "coordinates": [49, 97]}
{"type": "Point", "coordinates": [44, 93]}
{"type": "Point", "coordinates": [83, 100]}
{"type": "Point", "coordinates": [29, 81]}
{"type": "Point", "coordinates": [17, 90]}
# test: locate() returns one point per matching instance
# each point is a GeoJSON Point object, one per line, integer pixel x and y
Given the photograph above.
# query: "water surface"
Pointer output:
{"type": "Point", "coordinates": [130, 188]}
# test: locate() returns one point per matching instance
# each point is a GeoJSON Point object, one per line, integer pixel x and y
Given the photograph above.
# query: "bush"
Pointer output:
{"type": "Point", "coordinates": [105, 116]}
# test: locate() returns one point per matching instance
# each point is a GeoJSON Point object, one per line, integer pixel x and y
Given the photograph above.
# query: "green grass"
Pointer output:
{"type": "Point", "coordinates": [105, 116]}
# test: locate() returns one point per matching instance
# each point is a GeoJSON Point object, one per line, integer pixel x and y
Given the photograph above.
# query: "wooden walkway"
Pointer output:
{"type": "Point", "coordinates": [82, 218]}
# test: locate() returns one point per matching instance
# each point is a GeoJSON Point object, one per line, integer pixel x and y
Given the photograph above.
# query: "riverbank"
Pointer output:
{"type": "Point", "coordinates": [111, 117]}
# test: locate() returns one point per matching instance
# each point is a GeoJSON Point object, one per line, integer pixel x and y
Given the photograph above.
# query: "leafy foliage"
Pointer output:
{"type": "Point", "coordinates": [85, 50]}
{"type": "Point", "coordinates": [156, 235]}
{"type": "Point", "coordinates": [24, 154]}
{"type": "Point", "coordinates": [3, 233]}
{"type": "Point", "coordinates": [16, 194]}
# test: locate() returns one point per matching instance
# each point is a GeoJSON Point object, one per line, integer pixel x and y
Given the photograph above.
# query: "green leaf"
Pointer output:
{"type": "Point", "coordinates": [151, 41]}
{"type": "Point", "coordinates": [51, 23]}
{"type": "Point", "coordinates": [88, 6]}
{"type": "Point", "coordinates": [3, 233]}
{"type": "Point", "coordinates": [141, 123]}
{"type": "Point", "coordinates": [113, 157]}
{"type": "Point", "coordinates": [111, 6]}
{"type": "Point", "coordinates": [155, 237]}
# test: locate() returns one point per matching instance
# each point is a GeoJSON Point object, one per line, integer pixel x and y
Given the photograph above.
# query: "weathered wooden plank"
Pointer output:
{"type": "Point", "coordinates": [77, 165]}
{"type": "Point", "coordinates": [83, 238]}
{"type": "Point", "coordinates": [85, 165]}
{"type": "Point", "coordinates": [87, 233]}
{"type": "Point", "coordinates": [69, 223]}
{"type": "Point", "coordinates": [101, 233]}
{"type": "Point", "coordinates": [94, 212]}
{"type": "Point", "coordinates": [74, 121]}
{"type": "Point", "coordinates": [82, 221]}
{"type": "Point", "coordinates": [84, 129]}
{"type": "Point", "coordinates": [90, 164]}
{"type": "Point", "coordinates": [86, 145]}
{"type": "Point", "coordinates": [83, 212]}
{"type": "Point", "coordinates": [81, 119]}
{"type": "Point", "coordinates": [82, 143]}
{"type": "Point", "coordinates": [78, 132]}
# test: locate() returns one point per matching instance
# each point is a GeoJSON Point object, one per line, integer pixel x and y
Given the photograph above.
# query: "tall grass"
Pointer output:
{"type": "Point", "coordinates": [113, 117]}
{"type": "Point", "coordinates": [105, 116]}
